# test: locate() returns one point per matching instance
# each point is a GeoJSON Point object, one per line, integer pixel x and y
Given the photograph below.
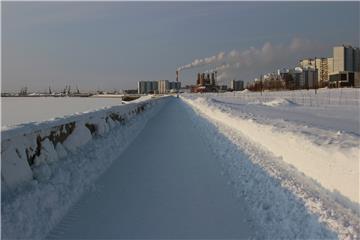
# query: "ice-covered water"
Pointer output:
{"type": "Point", "coordinates": [18, 110]}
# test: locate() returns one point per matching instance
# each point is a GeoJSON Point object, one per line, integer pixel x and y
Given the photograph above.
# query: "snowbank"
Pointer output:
{"type": "Point", "coordinates": [276, 210]}
{"type": "Point", "coordinates": [330, 159]}
{"type": "Point", "coordinates": [27, 145]}
{"type": "Point", "coordinates": [47, 166]}
{"type": "Point", "coordinates": [333, 165]}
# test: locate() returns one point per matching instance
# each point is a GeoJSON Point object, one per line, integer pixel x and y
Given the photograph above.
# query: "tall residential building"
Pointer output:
{"type": "Point", "coordinates": [310, 78]}
{"type": "Point", "coordinates": [346, 64]}
{"type": "Point", "coordinates": [322, 66]}
{"type": "Point", "coordinates": [155, 86]}
{"type": "Point", "coordinates": [297, 80]}
{"type": "Point", "coordinates": [330, 63]}
{"type": "Point", "coordinates": [346, 58]}
{"type": "Point", "coordinates": [304, 78]}
{"type": "Point", "coordinates": [237, 85]}
{"type": "Point", "coordinates": [339, 58]}
{"type": "Point", "coordinates": [142, 87]}
{"type": "Point", "coordinates": [148, 86]}
{"type": "Point", "coordinates": [164, 86]}
{"type": "Point", "coordinates": [145, 87]}
{"type": "Point", "coordinates": [174, 85]}
{"type": "Point", "coordinates": [356, 59]}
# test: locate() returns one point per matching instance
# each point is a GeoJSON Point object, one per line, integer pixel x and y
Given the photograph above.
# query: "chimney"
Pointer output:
{"type": "Point", "coordinates": [212, 82]}
{"type": "Point", "coordinates": [215, 77]}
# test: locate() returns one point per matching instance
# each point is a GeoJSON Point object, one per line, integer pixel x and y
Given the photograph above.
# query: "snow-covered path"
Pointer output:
{"type": "Point", "coordinates": [167, 184]}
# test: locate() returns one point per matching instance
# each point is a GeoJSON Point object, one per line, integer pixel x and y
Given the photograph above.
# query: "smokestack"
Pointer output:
{"type": "Point", "coordinates": [202, 79]}
{"type": "Point", "coordinates": [177, 75]}
{"type": "Point", "coordinates": [215, 79]}
{"type": "Point", "coordinates": [198, 79]}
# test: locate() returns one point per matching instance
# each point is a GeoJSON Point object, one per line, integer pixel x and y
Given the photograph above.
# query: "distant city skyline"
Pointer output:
{"type": "Point", "coordinates": [113, 45]}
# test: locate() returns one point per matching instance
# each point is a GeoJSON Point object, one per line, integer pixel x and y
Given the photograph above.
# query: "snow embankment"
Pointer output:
{"type": "Point", "coordinates": [329, 158]}
{"type": "Point", "coordinates": [47, 166]}
{"type": "Point", "coordinates": [254, 177]}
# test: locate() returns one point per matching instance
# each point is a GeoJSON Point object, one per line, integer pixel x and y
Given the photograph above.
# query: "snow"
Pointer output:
{"type": "Point", "coordinates": [323, 97]}
{"type": "Point", "coordinates": [278, 213]}
{"type": "Point", "coordinates": [48, 153]}
{"type": "Point", "coordinates": [79, 137]}
{"type": "Point", "coordinates": [314, 146]}
{"type": "Point", "coordinates": [326, 156]}
{"type": "Point", "coordinates": [279, 102]}
{"type": "Point", "coordinates": [292, 168]}
{"type": "Point", "coordinates": [34, 207]}
{"type": "Point", "coordinates": [17, 168]}
{"type": "Point", "coordinates": [35, 143]}
{"type": "Point", "coordinates": [161, 187]}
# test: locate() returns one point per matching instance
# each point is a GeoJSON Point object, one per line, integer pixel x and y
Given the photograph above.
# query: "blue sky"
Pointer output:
{"type": "Point", "coordinates": [115, 44]}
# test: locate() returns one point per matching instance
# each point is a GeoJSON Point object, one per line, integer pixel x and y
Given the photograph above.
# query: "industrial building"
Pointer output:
{"type": "Point", "coordinates": [206, 82]}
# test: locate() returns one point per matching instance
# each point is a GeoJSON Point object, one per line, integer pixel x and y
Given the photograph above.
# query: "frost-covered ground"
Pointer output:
{"type": "Point", "coordinates": [16, 110]}
{"type": "Point", "coordinates": [315, 147]}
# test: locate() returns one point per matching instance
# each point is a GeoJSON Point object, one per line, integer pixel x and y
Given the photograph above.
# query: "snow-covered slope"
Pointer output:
{"type": "Point", "coordinates": [326, 157]}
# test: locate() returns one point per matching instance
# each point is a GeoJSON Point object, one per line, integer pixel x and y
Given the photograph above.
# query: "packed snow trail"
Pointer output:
{"type": "Point", "coordinates": [167, 184]}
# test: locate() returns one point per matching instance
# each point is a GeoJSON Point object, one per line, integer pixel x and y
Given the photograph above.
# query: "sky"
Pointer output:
{"type": "Point", "coordinates": [113, 45]}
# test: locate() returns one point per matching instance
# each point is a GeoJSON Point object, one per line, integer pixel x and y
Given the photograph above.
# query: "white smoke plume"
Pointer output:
{"type": "Point", "coordinates": [204, 61]}
{"type": "Point", "coordinates": [230, 64]}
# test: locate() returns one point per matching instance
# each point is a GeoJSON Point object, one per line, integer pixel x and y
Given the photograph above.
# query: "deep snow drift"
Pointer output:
{"type": "Point", "coordinates": [321, 158]}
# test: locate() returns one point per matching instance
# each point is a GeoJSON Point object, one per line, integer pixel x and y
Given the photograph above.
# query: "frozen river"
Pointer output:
{"type": "Point", "coordinates": [18, 110]}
